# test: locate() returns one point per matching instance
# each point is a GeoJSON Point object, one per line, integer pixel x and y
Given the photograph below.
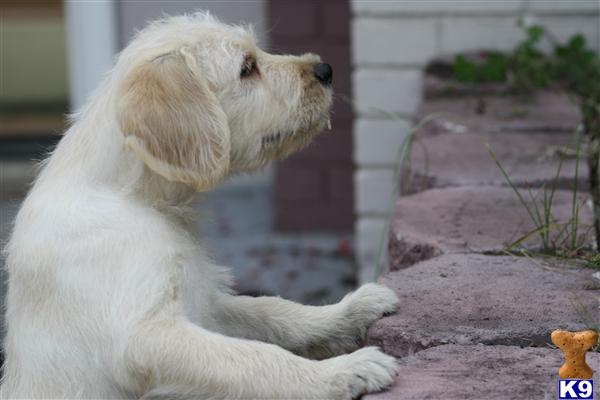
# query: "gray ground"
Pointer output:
{"type": "Point", "coordinates": [238, 225]}
{"type": "Point", "coordinates": [237, 222]}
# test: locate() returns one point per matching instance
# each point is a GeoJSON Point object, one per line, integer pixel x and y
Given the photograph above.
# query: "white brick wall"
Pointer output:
{"type": "Point", "coordinates": [379, 91]}
{"type": "Point", "coordinates": [377, 141]}
{"type": "Point", "coordinates": [368, 239]}
{"type": "Point", "coordinates": [564, 6]}
{"type": "Point", "coordinates": [373, 189]}
{"type": "Point", "coordinates": [466, 33]}
{"type": "Point", "coordinates": [564, 27]}
{"type": "Point", "coordinates": [392, 41]}
{"type": "Point", "coordinates": [391, 46]}
{"type": "Point", "coordinates": [404, 8]}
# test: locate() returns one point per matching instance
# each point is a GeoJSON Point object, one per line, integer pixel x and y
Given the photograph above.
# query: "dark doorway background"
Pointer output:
{"type": "Point", "coordinates": [314, 188]}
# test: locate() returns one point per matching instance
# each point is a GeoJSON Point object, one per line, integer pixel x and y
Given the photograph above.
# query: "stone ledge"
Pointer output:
{"type": "Point", "coordinates": [485, 108]}
{"type": "Point", "coordinates": [461, 159]}
{"type": "Point", "coordinates": [480, 219]}
{"type": "Point", "coordinates": [471, 299]}
{"type": "Point", "coordinates": [429, 7]}
{"type": "Point", "coordinates": [480, 372]}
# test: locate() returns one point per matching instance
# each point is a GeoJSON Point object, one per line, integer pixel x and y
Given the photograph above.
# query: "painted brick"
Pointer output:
{"type": "Point", "coordinates": [319, 217]}
{"type": "Point", "coordinates": [368, 233]}
{"type": "Point", "coordinates": [313, 188]}
{"type": "Point", "coordinates": [302, 183]}
{"type": "Point", "coordinates": [337, 15]}
{"type": "Point", "coordinates": [386, 7]}
{"type": "Point", "coordinates": [376, 142]}
{"type": "Point", "coordinates": [342, 108]}
{"type": "Point", "coordinates": [464, 34]}
{"type": "Point", "coordinates": [293, 19]}
{"type": "Point", "coordinates": [563, 6]}
{"type": "Point", "coordinates": [373, 189]}
{"type": "Point", "coordinates": [381, 91]}
{"type": "Point", "coordinates": [340, 183]}
{"type": "Point", "coordinates": [462, 25]}
{"type": "Point", "coordinates": [467, 34]}
{"type": "Point", "coordinates": [564, 27]}
{"type": "Point", "coordinates": [391, 41]}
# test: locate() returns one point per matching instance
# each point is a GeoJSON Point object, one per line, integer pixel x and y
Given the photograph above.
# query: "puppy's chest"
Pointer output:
{"type": "Point", "coordinates": [199, 287]}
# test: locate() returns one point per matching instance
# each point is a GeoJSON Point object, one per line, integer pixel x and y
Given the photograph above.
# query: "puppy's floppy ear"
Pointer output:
{"type": "Point", "coordinates": [173, 121]}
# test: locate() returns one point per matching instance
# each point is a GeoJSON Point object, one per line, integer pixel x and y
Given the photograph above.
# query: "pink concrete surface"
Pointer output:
{"type": "Point", "coordinates": [474, 323]}
{"type": "Point", "coordinates": [478, 219]}
{"type": "Point", "coordinates": [461, 159]}
{"type": "Point", "coordinates": [496, 300]}
{"type": "Point", "coordinates": [545, 112]}
{"type": "Point", "coordinates": [480, 372]}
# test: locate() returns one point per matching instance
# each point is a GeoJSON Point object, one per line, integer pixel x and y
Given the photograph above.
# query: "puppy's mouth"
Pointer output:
{"type": "Point", "coordinates": [268, 141]}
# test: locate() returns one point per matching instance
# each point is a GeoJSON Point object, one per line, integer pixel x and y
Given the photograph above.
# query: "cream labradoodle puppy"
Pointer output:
{"type": "Point", "coordinates": [111, 294]}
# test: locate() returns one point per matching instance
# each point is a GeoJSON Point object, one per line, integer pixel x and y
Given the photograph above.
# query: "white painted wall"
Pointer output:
{"type": "Point", "coordinates": [98, 29]}
{"type": "Point", "coordinates": [392, 41]}
{"type": "Point", "coordinates": [135, 14]}
{"type": "Point", "coordinates": [92, 42]}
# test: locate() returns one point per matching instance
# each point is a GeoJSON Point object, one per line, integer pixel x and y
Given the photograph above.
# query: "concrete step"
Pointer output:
{"type": "Point", "coordinates": [461, 159]}
{"type": "Point", "coordinates": [471, 299]}
{"type": "Point", "coordinates": [544, 111]}
{"type": "Point", "coordinates": [479, 219]}
{"type": "Point", "coordinates": [480, 372]}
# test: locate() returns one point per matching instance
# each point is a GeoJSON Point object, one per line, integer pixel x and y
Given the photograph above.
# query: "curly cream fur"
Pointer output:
{"type": "Point", "coordinates": [111, 294]}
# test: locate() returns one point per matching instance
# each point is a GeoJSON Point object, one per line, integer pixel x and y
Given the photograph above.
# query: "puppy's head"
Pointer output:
{"type": "Point", "coordinates": [198, 100]}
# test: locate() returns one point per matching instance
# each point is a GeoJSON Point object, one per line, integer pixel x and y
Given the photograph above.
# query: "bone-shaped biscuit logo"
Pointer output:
{"type": "Point", "coordinates": [574, 345]}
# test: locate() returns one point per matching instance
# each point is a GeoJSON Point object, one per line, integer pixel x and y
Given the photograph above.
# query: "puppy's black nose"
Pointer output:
{"type": "Point", "coordinates": [323, 73]}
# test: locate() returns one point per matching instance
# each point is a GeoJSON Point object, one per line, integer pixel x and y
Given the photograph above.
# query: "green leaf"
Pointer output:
{"type": "Point", "coordinates": [535, 33]}
{"type": "Point", "coordinates": [577, 42]}
{"type": "Point", "coordinates": [495, 68]}
{"type": "Point", "coordinates": [464, 70]}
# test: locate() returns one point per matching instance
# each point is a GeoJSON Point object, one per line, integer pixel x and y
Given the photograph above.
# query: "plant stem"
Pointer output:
{"type": "Point", "coordinates": [537, 222]}
{"type": "Point", "coordinates": [574, 207]}
{"type": "Point", "coordinates": [593, 164]}
{"type": "Point", "coordinates": [591, 122]}
{"type": "Point", "coordinates": [402, 159]}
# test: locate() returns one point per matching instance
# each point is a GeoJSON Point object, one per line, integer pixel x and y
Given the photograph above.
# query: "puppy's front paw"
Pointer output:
{"type": "Point", "coordinates": [354, 314]}
{"type": "Point", "coordinates": [364, 371]}
{"type": "Point", "coordinates": [370, 302]}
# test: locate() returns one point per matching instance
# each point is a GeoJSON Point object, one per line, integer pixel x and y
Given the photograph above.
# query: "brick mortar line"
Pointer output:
{"type": "Point", "coordinates": [378, 15]}
{"type": "Point", "coordinates": [373, 214]}
{"type": "Point", "coordinates": [471, 345]}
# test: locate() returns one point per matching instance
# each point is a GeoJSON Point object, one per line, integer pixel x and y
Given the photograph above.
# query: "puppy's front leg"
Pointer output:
{"type": "Point", "coordinates": [315, 332]}
{"type": "Point", "coordinates": [180, 354]}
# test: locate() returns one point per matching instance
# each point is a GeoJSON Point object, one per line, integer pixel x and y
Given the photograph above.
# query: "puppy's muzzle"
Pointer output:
{"type": "Point", "coordinates": [323, 73]}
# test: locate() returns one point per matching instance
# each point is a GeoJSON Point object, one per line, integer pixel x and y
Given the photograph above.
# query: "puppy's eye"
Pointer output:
{"type": "Point", "coordinates": [249, 67]}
